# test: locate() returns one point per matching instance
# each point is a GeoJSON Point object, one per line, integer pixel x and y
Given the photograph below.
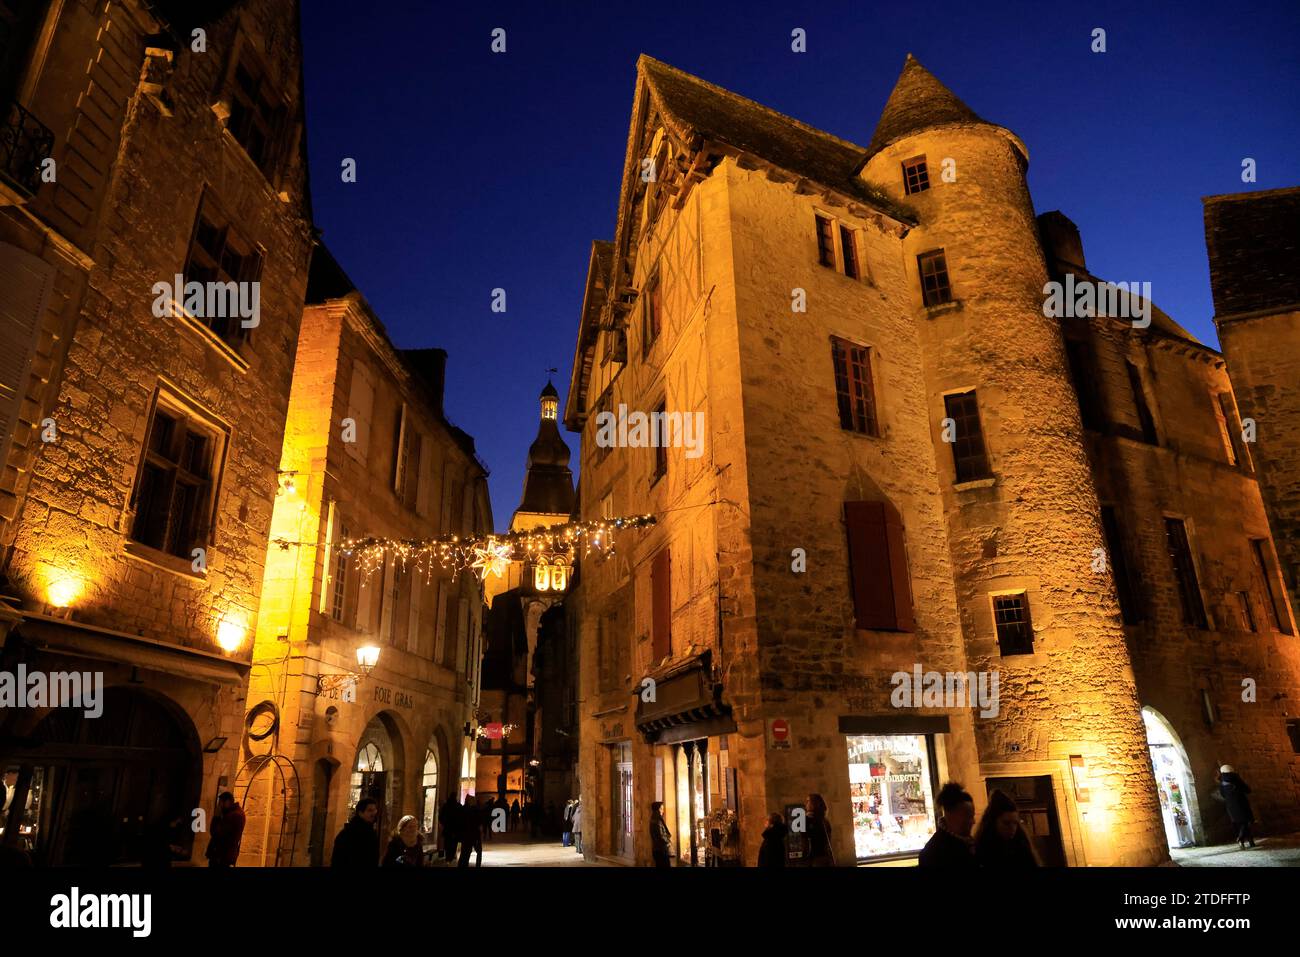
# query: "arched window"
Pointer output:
{"type": "Point", "coordinates": [429, 791]}
{"type": "Point", "coordinates": [369, 759]}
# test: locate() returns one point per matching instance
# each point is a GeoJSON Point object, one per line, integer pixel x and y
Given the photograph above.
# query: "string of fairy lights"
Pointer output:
{"type": "Point", "coordinates": [490, 554]}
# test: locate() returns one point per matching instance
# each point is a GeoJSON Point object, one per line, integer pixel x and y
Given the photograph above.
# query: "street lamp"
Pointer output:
{"type": "Point", "coordinates": [367, 658]}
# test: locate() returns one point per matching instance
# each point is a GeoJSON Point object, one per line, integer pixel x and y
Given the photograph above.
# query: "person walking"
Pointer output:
{"type": "Point", "coordinates": [661, 839]}
{"type": "Point", "coordinates": [771, 853]}
{"type": "Point", "coordinates": [1234, 793]}
{"type": "Point", "coordinates": [449, 821]}
{"type": "Point", "coordinates": [471, 834]}
{"type": "Point", "coordinates": [1000, 841]}
{"type": "Point", "coordinates": [576, 818]}
{"type": "Point", "coordinates": [514, 815]}
{"type": "Point", "coordinates": [820, 853]}
{"type": "Point", "coordinates": [357, 844]}
{"type": "Point", "coordinates": [227, 832]}
{"type": "Point", "coordinates": [404, 848]}
{"type": "Point", "coordinates": [951, 845]}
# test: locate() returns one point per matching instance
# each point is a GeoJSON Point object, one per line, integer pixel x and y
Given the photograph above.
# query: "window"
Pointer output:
{"type": "Point", "coordinates": [1083, 373]}
{"type": "Point", "coordinates": [935, 288]}
{"type": "Point", "coordinates": [429, 793]}
{"type": "Point", "coordinates": [850, 251]}
{"type": "Point", "coordinates": [1271, 594]}
{"type": "Point", "coordinates": [1230, 430]}
{"type": "Point", "coordinates": [340, 582]}
{"type": "Point", "coordinates": [825, 242]}
{"type": "Point", "coordinates": [607, 506]}
{"type": "Point", "coordinates": [661, 606]}
{"type": "Point", "coordinates": [651, 315]}
{"type": "Point", "coordinates": [968, 454]}
{"type": "Point", "coordinates": [853, 387]}
{"type": "Point", "coordinates": [219, 254]}
{"type": "Point", "coordinates": [407, 467]}
{"type": "Point", "coordinates": [1015, 630]}
{"type": "Point", "coordinates": [1125, 587]}
{"type": "Point", "coordinates": [916, 177]}
{"type": "Point", "coordinates": [1145, 420]}
{"type": "Point", "coordinates": [1293, 732]}
{"type": "Point", "coordinates": [882, 588]}
{"type": "Point", "coordinates": [1245, 616]}
{"type": "Point", "coordinates": [1220, 415]}
{"type": "Point", "coordinates": [174, 494]}
{"type": "Point", "coordinates": [1189, 588]}
{"type": "Point", "coordinates": [255, 111]}
{"type": "Point", "coordinates": [659, 435]}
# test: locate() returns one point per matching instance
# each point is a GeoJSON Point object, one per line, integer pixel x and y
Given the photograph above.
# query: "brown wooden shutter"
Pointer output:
{"type": "Point", "coordinates": [26, 282]}
{"type": "Point", "coordinates": [661, 583]}
{"type": "Point", "coordinates": [882, 597]}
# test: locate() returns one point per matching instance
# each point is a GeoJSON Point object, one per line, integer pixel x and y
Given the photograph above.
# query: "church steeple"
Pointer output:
{"type": "Point", "coordinates": [548, 483]}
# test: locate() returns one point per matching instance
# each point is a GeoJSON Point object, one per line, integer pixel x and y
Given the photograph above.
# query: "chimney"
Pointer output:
{"type": "Point", "coordinates": [1062, 246]}
{"type": "Point", "coordinates": [430, 366]}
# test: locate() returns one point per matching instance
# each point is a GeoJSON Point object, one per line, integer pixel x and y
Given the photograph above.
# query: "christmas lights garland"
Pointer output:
{"type": "Point", "coordinates": [490, 554]}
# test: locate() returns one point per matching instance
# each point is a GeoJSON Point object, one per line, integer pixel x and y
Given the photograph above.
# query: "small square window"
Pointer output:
{"type": "Point", "coordinates": [1015, 630]}
{"type": "Point", "coordinates": [935, 288]}
{"type": "Point", "coordinates": [916, 176]}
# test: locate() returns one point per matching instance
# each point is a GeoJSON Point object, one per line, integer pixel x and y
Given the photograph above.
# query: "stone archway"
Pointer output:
{"type": "Point", "coordinates": [1175, 786]}
{"type": "Point", "coordinates": [378, 770]}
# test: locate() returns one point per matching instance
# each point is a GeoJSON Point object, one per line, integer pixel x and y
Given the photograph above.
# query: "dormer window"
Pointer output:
{"type": "Point", "coordinates": [916, 176]}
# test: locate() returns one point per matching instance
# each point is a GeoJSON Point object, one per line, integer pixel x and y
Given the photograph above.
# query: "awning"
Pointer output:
{"type": "Point", "coordinates": [70, 638]}
{"type": "Point", "coordinates": [687, 703]}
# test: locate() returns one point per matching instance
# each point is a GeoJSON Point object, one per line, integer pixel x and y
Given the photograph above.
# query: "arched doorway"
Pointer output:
{"type": "Point", "coordinates": [377, 771]}
{"type": "Point", "coordinates": [104, 786]}
{"type": "Point", "coordinates": [1174, 783]}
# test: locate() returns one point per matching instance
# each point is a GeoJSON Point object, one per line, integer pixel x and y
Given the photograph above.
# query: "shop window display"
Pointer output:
{"type": "Point", "coordinates": [892, 793]}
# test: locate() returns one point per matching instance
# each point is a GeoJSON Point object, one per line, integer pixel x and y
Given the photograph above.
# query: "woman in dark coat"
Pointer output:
{"type": "Point", "coordinates": [661, 842]}
{"type": "Point", "coordinates": [1234, 792]}
{"type": "Point", "coordinates": [1001, 841]}
{"type": "Point", "coordinates": [819, 833]}
{"type": "Point", "coordinates": [771, 853]}
{"type": "Point", "coordinates": [404, 849]}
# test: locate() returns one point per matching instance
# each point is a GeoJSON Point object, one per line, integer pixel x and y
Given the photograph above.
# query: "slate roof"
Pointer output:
{"type": "Point", "coordinates": [1253, 242]}
{"type": "Point", "coordinates": [695, 107]}
{"type": "Point", "coordinates": [917, 102]}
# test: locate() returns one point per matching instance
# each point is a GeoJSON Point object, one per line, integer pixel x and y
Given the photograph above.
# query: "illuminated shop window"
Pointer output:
{"type": "Point", "coordinates": [891, 789]}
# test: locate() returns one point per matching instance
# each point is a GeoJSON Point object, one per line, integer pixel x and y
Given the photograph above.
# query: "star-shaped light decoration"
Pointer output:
{"type": "Point", "coordinates": [492, 558]}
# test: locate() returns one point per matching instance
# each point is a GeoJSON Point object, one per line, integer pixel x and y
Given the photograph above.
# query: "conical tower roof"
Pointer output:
{"type": "Point", "coordinates": [919, 101]}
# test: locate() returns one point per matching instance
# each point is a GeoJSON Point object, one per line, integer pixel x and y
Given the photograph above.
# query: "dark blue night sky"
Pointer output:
{"type": "Point", "coordinates": [478, 170]}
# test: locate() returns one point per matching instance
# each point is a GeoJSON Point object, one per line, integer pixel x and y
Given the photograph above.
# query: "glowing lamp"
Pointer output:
{"type": "Point", "coordinates": [367, 658]}
{"type": "Point", "coordinates": [230, 635]}
{"type": "Point", "coordinates": [63, 592]}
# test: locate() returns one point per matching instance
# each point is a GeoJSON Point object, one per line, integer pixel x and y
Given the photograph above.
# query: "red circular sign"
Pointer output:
{"type": "Point", "coordinates": [780, 729]}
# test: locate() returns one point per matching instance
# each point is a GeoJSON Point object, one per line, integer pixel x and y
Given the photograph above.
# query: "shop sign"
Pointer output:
{"type": "Point", "coordinates": [493, 731]}
{"type": "Point", "coordinates": [780, 734]}
{"type": "Point", "coordinates": [400, 698]}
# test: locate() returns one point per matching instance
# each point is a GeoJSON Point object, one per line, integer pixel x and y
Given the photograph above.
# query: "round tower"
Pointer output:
{"type": "Point", "coordinates": [1024, 522]}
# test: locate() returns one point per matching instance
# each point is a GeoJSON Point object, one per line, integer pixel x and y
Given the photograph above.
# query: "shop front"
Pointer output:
{"type": "Point", "coordinates": [1174, 784]}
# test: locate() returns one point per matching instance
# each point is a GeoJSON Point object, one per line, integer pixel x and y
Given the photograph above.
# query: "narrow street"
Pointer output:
{"type": "Point", "coordinates": [513, 851]}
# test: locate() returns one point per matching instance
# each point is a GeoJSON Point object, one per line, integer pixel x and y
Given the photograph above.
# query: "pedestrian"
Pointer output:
{"type": "Point", "coordinates": [661, 839]}
{"type": "Point", "coordinates": [577, 825]}
{"type": "Point", "coordinates": [514, 814]}
{"type": "Point", "coordinates": [1233, 791]}
{"type": "Point", "coordinates": [471, 834]}
{"type": "Point", "coordinates": [226, 832]}
{"type": "Point", "coordinates": [951, 845]}
{"type": "Point", "coordinates": [771, 853]}
{"type": "Point", "coordinates": [820, 853]}
{"type": "Point", "coordinates": [1000, 840]}
{"type": "Point", "coordinates": [357, 844]}
{"type": "Point", "coordinates": [404, 847]}
{"type": "Point", "coordinates": [449, 821]}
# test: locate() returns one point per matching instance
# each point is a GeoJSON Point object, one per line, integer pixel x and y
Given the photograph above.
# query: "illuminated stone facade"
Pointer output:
{"type": "Point", "coordinates": [761, 272]}
{"type": "Point", "coordinates": [141, 443]}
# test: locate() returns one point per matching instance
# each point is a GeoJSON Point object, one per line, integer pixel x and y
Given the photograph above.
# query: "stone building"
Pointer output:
{"type": "Point", "coordinates": [368, 452]}
{"type": "Point", "coordinates": [532, 763]}
{"type": "Point", "coordinates": [141, 424]}
{"type": "Point", "coordinates": [876, 467]}
{"type": "Point", "coordinates": [1253, 241]}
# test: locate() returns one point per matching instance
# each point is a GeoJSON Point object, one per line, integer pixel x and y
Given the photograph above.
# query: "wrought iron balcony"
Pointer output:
{"type": "Point", "coordinates": [25, 143]}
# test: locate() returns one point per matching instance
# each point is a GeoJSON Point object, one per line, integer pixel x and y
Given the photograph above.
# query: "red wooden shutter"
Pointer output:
{"type": "Point", "coordinates": [882, 599]}
{"type": "Point", "coordinates": [661, 583]}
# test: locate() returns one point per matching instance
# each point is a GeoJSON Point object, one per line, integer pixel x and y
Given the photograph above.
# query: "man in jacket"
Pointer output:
{"type": "Point", "coordinates": [227, 832]}
{"type": "Point", "coordinates": [951, 845]}
{"type": "Point", "coordinates": [1233, 790]}
{"type": "Point", "coordinates": [357, 845]}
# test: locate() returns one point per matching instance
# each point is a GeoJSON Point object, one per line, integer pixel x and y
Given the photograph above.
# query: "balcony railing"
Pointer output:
{"type": "Point", "coordinates": [25, 143]}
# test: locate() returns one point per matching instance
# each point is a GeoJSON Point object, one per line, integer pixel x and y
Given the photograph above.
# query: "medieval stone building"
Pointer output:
{"type": "Point", "coordinates": [876, 453]}
{"type": "Point", "coordinates": [368, 452]}
{"type": "Point", "coordinates": [141, 425]}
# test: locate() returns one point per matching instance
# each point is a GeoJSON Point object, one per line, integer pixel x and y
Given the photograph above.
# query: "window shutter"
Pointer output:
{"type": "Point", "coordinates": [882, 597]}
{"type": "Point", "coordinates": [661, 605]}
{"type": "Point", "coordinates": [26, 281]}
